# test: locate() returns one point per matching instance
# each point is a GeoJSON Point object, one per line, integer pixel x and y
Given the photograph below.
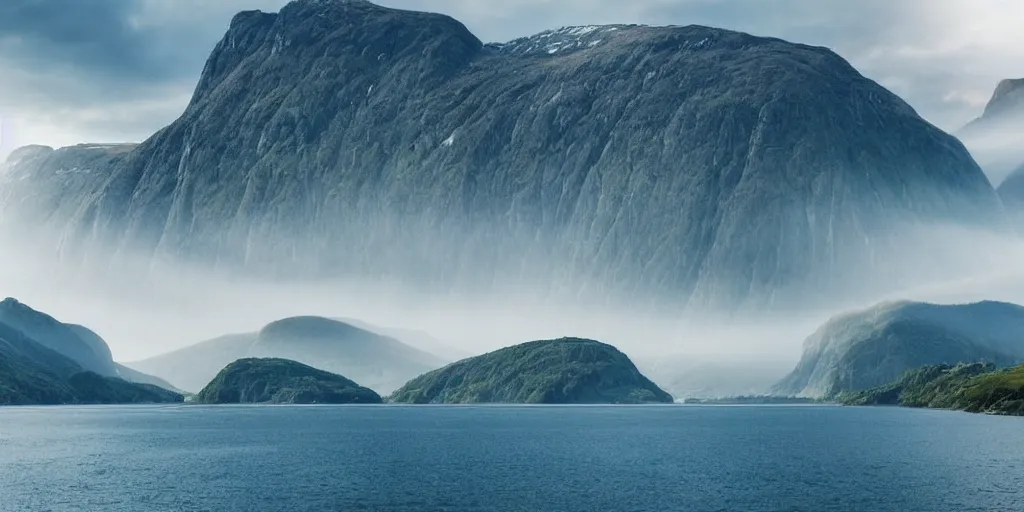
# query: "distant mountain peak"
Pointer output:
{"type": "Point", "coordinates": [259, 43]}
{"type": "Point", "coordinates": [1009, 95]}
{"type": "Point", "coordinates": [1007, 101]}
{"type": "Point", "coordinates": [15, 306]}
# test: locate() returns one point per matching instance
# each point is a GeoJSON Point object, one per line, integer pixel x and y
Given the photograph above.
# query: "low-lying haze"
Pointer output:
{"type": "Point", "coordinates": [146, 313]}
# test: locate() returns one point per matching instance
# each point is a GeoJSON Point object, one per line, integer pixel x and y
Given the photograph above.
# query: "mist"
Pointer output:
{"type": "Point", "coordinates": [998, 147]}
{"type": "Point", "coordinates": [143, 308]}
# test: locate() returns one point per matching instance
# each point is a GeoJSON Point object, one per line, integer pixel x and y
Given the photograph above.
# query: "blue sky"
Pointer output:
{"type": "Point", "coordinates": [117, 70]}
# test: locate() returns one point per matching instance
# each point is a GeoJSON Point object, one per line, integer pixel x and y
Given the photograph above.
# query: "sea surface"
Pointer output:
{"type": "Point", "coordinates": [393, 458]}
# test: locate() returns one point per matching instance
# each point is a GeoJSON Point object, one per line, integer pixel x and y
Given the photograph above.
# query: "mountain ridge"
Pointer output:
{"type": "Point", "coordinates": [996, 137]}
{"type": "Point", "coordinates": [352, 140]}
{"type": "Point", "coordinates": [35, 371]}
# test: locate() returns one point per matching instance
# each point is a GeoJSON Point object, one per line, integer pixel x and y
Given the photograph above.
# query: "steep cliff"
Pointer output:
{"type": "Point", "coordinates": [339, 138]}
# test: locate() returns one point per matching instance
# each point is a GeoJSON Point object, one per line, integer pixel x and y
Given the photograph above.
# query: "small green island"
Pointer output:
{"type": "Point", "coordinates": [562, 371]}
{"type": "Point", "coordinates": [977, 387]}
{"type": "Point", "coordinates": [282, 381]}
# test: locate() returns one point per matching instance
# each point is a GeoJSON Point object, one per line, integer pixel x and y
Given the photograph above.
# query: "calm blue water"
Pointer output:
{"type": "Point", "coordinates": [674, 458]}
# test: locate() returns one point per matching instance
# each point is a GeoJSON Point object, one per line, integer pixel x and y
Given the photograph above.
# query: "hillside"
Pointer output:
{"type": "Point", "coordinates": [871, 348]}
{"type": "Point", "coordinates": [563, 371]}
{"type": "Point", "coordinates": [1011, 191]}
{"type": "Point", "coordinates": [379, 362]}
{"type": "Point", "coordinates": [78, 343]}
{"type": "Point", "coordinates": [280, 381]}
{"type": "Point", "coordinates": [968, 387]}
{"type": "Point", "coordinates": [692, 165]}
{"type": "Point", "coordinates": [33, 374]}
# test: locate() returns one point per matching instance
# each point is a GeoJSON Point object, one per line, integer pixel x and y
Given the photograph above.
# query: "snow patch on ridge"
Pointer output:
{"type": "Point", "coordinates": [450, 141]}
{"type": "Point", "coordinates": [560, 41]}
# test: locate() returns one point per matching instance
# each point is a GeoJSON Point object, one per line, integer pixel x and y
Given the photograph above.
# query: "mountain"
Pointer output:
{"type": "Point", "coordinates": [1007, 103]}
{"type": "Point", "coordinates": [380, 362]}
{"type": "Point", "coordinates": [191, 368]}
{"type": "Point", "coordinates": [31, 373]}
{"type": "Point", "coordinates": [54, 183]}
{"type": "Point", "coordinates": [996, 138]}
{"type": "Point", "coordinates": [871, 348]}
{"type": "Point", "coordinates": [563, 371]}
{"type": "Point", "coordinates": [696, 378]}
{"type": "Point", "coordinates": [280, 381]}
{"type": "Point", "coordinates": [415, 338]}
{"type": "Point", "coordinates": [78, 343]}
{"type": "Point", "coordinates": [1011, 191]}
{"type": "Point", "coordinates": [348, 140]}
{"type": "Point", "coordinates": [75, 342]}
{"type": "Point", "coordinates": [977, 387]}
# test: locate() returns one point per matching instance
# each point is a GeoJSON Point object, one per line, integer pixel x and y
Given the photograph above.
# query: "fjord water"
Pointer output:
{"type": "Point", "coordinates": [658, 458]}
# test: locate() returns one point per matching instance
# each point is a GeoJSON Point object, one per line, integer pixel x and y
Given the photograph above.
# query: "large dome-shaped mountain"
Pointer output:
{"type": "Point", "coordinates": [342, 138]}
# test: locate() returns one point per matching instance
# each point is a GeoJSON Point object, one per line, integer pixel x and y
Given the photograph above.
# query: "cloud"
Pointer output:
{"type": "Point", "coordinates": [121, 69]}
{"type": "Point", "coordinates": [102, 70]}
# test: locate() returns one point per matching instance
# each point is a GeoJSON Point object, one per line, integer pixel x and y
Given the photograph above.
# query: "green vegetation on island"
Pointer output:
{"type": "Point", "coordinates": [976, 387]}
{"type": "Point", "coordinates": [281, 381]}
{"type": "Point", "coordinates": [562, 371]}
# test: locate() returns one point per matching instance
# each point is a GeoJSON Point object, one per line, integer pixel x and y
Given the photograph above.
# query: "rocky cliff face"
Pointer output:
{"type": "Point", "coordinates": [700, 165]}
{"type": "Point", "coordinates": [40, 182]}
{"type": "Point", "coordinates": [871, 348]}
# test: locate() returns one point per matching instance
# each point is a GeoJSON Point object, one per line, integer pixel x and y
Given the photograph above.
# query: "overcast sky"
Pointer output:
{"type": "Point", "coordinates": [118, 70]}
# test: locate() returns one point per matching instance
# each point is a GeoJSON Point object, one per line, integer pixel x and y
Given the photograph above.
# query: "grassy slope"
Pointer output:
{"type": "Point", "coordinates": [552, 371]}
{"type": "Point", "coordinates": [282, 381]}
{"type": "Point", "coordinates": [977, 387]}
